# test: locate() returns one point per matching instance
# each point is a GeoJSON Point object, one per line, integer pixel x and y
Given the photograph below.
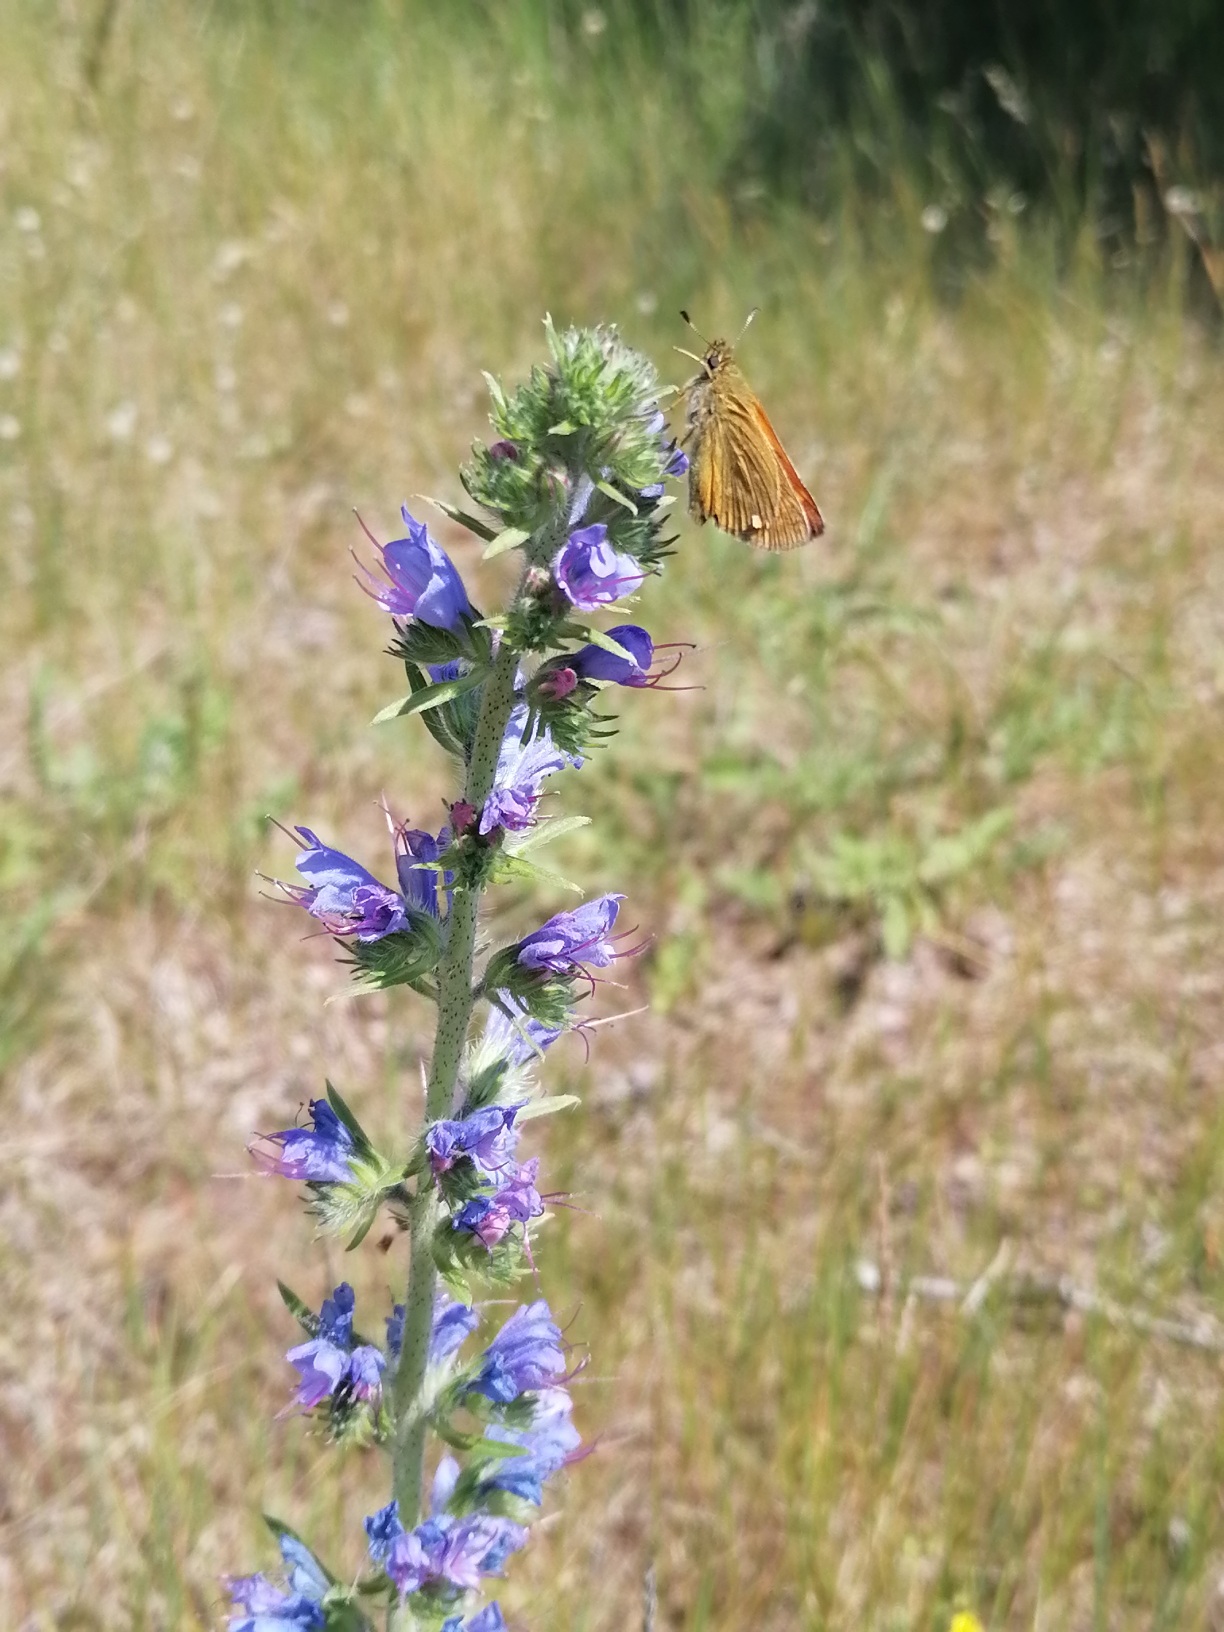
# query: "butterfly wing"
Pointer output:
{"type": "Point", "coordinates": [741, 478]}
{"type": "Point", "coordinates": [798, 516]}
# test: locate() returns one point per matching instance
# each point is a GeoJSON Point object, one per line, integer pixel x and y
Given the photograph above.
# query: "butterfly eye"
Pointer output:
{"type": "Point", "coordinates": [712, 359]}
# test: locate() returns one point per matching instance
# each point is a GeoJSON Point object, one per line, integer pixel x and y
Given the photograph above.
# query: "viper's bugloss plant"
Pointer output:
{"type": "Point", "coordinates": [471, 1428]}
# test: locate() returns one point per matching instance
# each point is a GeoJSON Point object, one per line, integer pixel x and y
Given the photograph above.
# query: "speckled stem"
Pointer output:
{"type": "Point", "coordinates": [408, 1407]}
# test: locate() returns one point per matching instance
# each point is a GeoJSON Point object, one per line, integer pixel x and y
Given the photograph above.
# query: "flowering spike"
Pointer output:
{"type": "Point", "coordinates": [573, 480]}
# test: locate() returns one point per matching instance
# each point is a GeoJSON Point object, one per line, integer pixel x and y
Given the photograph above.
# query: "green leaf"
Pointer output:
{"type": "Point", "coordinates": [546, 1106]}
{"type": "Point", "coordinates": [472, 523]}
{"type": "Point", "coordinates": [301, 1312]}
{"type": "Point", "coordinates": [543, 833]}
{"type": "Point", "coordinates": [506, 869]}
{"type": "Point", "coordinates": [607, 644]}
{"type": "Point", "coordinates": [562, 428]}
{"type": "Point", "coordinates": [508, 539]}
{"type": "Point", "coordinates": [495, 391]}
{"type": "Point", "coordinates": [362, 1230]}
{"type": "Point", "coordinates": [433, 696]}
{"type": "Point", "coordinates": [346, 1116]}
{"type": "Point", "coordinates": [622, 499]}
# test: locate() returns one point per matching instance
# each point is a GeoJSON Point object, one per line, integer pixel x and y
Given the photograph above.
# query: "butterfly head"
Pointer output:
{"type": "Point", "coordinates": [717, 356]}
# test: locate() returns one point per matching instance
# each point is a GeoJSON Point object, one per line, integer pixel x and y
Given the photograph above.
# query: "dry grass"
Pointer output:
{"type": "Point", "coordinates": [248, 283]}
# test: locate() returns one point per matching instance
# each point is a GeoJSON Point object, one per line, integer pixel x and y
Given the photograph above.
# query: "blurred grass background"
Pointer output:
{"type": "Point", "coordinates": [933, 863]}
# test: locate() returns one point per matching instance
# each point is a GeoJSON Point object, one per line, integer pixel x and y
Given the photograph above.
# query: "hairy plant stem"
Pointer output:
{"type": "Point", "coordinates": [455, 999]}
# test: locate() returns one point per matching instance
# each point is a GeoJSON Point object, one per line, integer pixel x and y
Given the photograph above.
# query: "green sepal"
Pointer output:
{"type": "Point", "coordinates": [545, 997]}
{"type": "Point", "coordinates": [617, 496]}
{"type": "Point", "coordinates": [508, 539]}
{"type": "Point", "coordinates": [402, 959]}
{"type": "Point", "coordinates": [422, 644]}
{"type": "Point", "coordinates": [433, 696]}
{"type": "Point", "coordinates": [460, 1253]}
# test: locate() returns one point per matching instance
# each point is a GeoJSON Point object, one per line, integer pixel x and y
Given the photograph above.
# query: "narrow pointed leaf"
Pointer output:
{"type": "Point", "coordinates": [546, 1107]}
{"type": "Point", "coordinates": [432, 696]}
{"type": "Point", "coordinates": [301, 1312]}
{"type": "Point", "coordinates": [607, 644]}
{"type": "Point", "coordinates": [620, 498]}
{"type": "Point", "coordinates": [543, 833]}
{"type": "Point", "coordinates": [346, 1116]}
{"type": "Point", "coordinates": [463, 517]}
{"type": "Point", "coordinates": [509, 539]}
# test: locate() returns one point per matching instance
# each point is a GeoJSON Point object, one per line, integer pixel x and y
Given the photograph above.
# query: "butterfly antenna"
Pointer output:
{"type": "Point", "coordinates": [695, 330]}
{"type": "Point", "coordinates": [747, 321]}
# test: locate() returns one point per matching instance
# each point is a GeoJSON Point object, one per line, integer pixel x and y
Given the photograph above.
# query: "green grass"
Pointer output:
{"type": "Point", "coordinates": [267, 261]}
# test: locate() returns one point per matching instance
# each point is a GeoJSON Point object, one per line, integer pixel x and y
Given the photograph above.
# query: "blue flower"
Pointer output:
{"type": "Point", "coordinates": [487, 1138]}
{"type": "Point", "coordinates": [594, 663]}
{"type": "Point", "coordinates": [677, 465]}
{"type": "Point", "coordinates": [424, 887]}
{"type": "Point", "coordinates": [521, 769]}
{"type": "Point", "coordinates": [570, 939]}
{"type": "Point", "coordinates": [264, 1607]}
{"type": "Point", "coordinates": [590, 573]}
{"type": "Point", "coordinates": [443, 1551]}
{"type": "Point", "coordinates": [488, 1619]}
{"type": "Point", "coordinates": [422, 581]}
{"type": "Point", "coordinates": [517, 1201]}
{"type": "Point", "coordinates": [319, 1154]}
{"type": "Point", "coordinates": [330, 1361]}
{"type": "Point", "coordinates": [515, 1036]}
{"type": "Point", "coordinates": [525, 1355]}
{"type": "Point", "coordinates": [342, 895]}
{"type": "Point", "coordinates": [547, 1444]}
{"type": "Point", "coordinates": [452, 1323]}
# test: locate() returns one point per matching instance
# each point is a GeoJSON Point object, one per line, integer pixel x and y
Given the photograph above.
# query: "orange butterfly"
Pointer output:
{"type": "Point", "coordinates": [739, 475]}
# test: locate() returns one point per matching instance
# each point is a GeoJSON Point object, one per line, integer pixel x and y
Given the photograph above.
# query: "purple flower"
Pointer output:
{"type": "Point", "coordinates": [525, 1355]}
{"type": "Point", "coordinates": [452, 1323]}
{"type": "Point", "coordinates": [521, 769]}
{"type": "Point", "coordinates": [342, 895]}
{"type": "Point", "coordinates": [487, 1138]}
{"type": "Point", "coordinates": [264, 1607]}
{"type": "Point", "coordinates": [329, 1362]}
{"type": "Point", "coordinates": [572, 938]}
{"type": "Point", "coordinates": [515, 1202]}
{"type": "Point", "coordinates": [318, 1154]}
{"type": "Point", "coordinates": [422, 581]}
{"type": "Point", "coordinates": [443, 1551]}
{"type": "Point", "coordinates": [677, 464]}
{"type": "Point", "coordinates": [422, 885]}
{"type": "Point", "coordinates": [516, 1036]}
{"type": "Point", "coordinates": [548, 1444]}
{"type": "Point", "coordinates": [590, 573]}
{"type": "Point", "coordinates": [594, 663]}
{"type": "Point", "coordinates": [488, 1619]}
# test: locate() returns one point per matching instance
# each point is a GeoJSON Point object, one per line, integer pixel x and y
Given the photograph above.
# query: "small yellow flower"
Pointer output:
{"type": "Point", "coordinates": [966, 1621]}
